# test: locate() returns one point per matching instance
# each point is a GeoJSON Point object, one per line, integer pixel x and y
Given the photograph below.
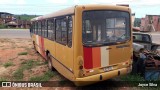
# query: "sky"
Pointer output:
{"type": "Point", "coordinates": [42, 7]}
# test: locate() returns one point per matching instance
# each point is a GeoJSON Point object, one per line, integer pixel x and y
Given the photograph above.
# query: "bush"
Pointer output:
{"type": "Point", "coordinates": [2, 26]}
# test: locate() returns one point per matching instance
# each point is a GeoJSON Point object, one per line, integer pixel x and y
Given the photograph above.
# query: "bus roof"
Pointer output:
{"type": "Point", "coordinates": [66, 11]}
{"type": "Point", "coordinates": [70, 10]}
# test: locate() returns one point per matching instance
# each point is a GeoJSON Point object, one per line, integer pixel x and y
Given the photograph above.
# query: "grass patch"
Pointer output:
{"type": "Point", "coordinates": [23, 53]}
{"type": "Point", "coordinates": [2, 26]}
{"type": "Point", "coordinates": [3, 79]}
{"type": "Point", "coordinates": [132, 80]}
{"type": "Point", "coordinates": [45, 77]}
{"type": "Point", "coordinates": [26, 65]}
{"type": "Point", "coordinates": [130, 77]}
{"type": "Point", "coordinates": [7, 64]}
{"type": "Point", "coordinates": [18, 74]}
{"type": "Point", "coordinates": [30, 63]}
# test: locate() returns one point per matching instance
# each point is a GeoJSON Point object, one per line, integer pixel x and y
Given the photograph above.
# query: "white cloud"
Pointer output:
{"type": "Point", "coordinates": [146, 2]}
{"type": "Point", "coordinates": [20, 2]}
{"type": "Point", "coordinates": [57, 1]}
{"type": "Point", "coordinates": [76, 1]}
{"type": "Point", "coordinates": [131, 2]}
{"type": "Point", "coordinates": [12, 1]}
{"type": "Point", "coordinates": [111, 1]}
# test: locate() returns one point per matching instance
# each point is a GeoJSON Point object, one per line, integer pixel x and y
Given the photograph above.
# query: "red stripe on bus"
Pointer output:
{"type": "Point", "coordinates": [39, 40]}
{"type": "Point", "coordinates": [88, 64]}
{"type": "Point", "coordinates": [42, 45]}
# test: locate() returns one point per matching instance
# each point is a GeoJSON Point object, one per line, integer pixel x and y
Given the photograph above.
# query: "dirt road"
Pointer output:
{"type": "Point", "coordinates": [14, 33]}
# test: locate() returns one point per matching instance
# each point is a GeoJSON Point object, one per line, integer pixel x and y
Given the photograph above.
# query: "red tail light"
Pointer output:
{"type": "Point", "coordinates": [80, 67]}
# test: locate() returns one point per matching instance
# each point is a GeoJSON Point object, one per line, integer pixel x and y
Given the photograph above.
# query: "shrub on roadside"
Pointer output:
{"type": "Point", "coordinates": [2, 26]}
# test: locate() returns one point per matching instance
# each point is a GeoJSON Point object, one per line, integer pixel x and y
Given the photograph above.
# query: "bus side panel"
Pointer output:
{"type": "Point", "coordinates": [37, 43]}
{"type": "Point", "coordinates": [49, 45]}
{"type": "Point", "coordinates": [64, 57]}
{"type": "Point", "coordinates": [33, 37]}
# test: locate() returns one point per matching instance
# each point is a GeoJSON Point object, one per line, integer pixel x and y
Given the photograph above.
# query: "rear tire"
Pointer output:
{"type": "Point", "coordinates": [49, 60]}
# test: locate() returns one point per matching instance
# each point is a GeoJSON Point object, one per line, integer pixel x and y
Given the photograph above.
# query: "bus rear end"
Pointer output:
{"type": "Point", "coordinates": [104, 49]}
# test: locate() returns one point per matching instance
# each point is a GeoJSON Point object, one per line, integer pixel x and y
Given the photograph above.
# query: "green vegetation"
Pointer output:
{"type": "Point", "coordinates": [23, 53]}
{"type": "Point", "coordinates": [137, 22]}
{"type": "Point", "coordinates": [25, 17]}
{"type": "Point", "coordinates": [130, 77]}
{"type": "Point", "coordinates": [18, 75]}
{"type": "Point", "coordinates": [45, 77]}
{"type": "Point", "coordinates": [26, 65]}
{"type": "Point", "coordinates": [32, 63]}
{"type": "Point", "coordinates": [7, 64]}
{"type": "Point", "coordinates": [3, 79]}
{"type": "Point", "coordinates": [2, 26]}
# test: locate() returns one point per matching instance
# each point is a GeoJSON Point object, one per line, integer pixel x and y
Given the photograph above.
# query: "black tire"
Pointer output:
{"type": "Point", "coordinates": [49, 60]}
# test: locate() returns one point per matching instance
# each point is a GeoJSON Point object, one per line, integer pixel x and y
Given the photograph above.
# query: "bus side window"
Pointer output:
{"type": "Point", "coordinates": [70, 24]}
{"type": "Point", "coordinates": [43, 28]}
{"type": "Point", "coordinates": [64, 30]}
{"type": "Point", "coordinates": [51, 29]}
{"type": "Point", "coordinates": [46, 29]}
{"type": "Point", "coordinates": [36, 28]}
{"type": "Point", "coordinates": [58, 30]}
{"type": "Point", "coordinates": [39, 28]}
{"type": "Point", "coordinates": [33, 27]}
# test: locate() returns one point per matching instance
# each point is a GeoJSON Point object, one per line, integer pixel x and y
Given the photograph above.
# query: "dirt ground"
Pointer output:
{"type": "Point", "coordinates": [18, 52]}
{"type": "Point", "coordinates": [10, 50]}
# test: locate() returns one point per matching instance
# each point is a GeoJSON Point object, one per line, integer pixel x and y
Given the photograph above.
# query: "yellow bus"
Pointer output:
{"type": "Point", "coordinates": [85, 43]}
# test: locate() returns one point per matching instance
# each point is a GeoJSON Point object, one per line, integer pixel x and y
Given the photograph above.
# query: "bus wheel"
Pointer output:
{"type": "Point", "coordinates": [49, 60]}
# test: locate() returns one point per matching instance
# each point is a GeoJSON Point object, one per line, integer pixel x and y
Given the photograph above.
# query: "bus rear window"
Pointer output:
{"type": "Point", "coordinates": [105, 27]}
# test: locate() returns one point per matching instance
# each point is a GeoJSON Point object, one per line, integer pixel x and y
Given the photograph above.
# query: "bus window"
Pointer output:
{"type": "Point", "coordinates": [105, 29]}
{"type": "Point", "coordinates": [64, 31]}
{"type": "Point", "coordinates": [32, 28]}
{"type": "Point", "coordinates": [51, 29]}
{"type": "Point", "coordinates": [87, 31]}
{"type": "Point", "coordinates": [43, 27]}
{"type": "Point", "coordinates": [58, 30]}
{"type": "Point", "coordinates": [61, 31]}
{"type": "Point", "coordinates": [46, 29]}
{"type": "Point", "coordinates": [39, 27]}
{"type": "Point", "coordinates": [115, 27]}
{"type": "Point", "coordinates": [36, 28]}
{"type": "Point", "coordinates": [70, 32]}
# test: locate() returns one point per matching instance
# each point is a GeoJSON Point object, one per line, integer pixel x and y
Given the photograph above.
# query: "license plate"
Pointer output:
{"type": "Point", "coordinates": [108, 69]}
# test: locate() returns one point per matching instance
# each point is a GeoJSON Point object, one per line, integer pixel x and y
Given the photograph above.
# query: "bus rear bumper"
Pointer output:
{"type": "Point", "coordinates": [101, 77]}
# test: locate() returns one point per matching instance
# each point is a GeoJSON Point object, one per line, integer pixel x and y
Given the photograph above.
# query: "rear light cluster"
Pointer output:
{"type": "Point", "coordinates": [80, 67]}
{"type": "Point", "coordinates": [80, 64]}
{"type": "Point", "coordinates": [125, 63]}
{"type": "Point", "coordinates": [81, 72]}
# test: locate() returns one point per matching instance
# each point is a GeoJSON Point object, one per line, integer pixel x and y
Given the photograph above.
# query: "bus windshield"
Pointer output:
{"type": "Point", "coordinates": [105, 27]}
